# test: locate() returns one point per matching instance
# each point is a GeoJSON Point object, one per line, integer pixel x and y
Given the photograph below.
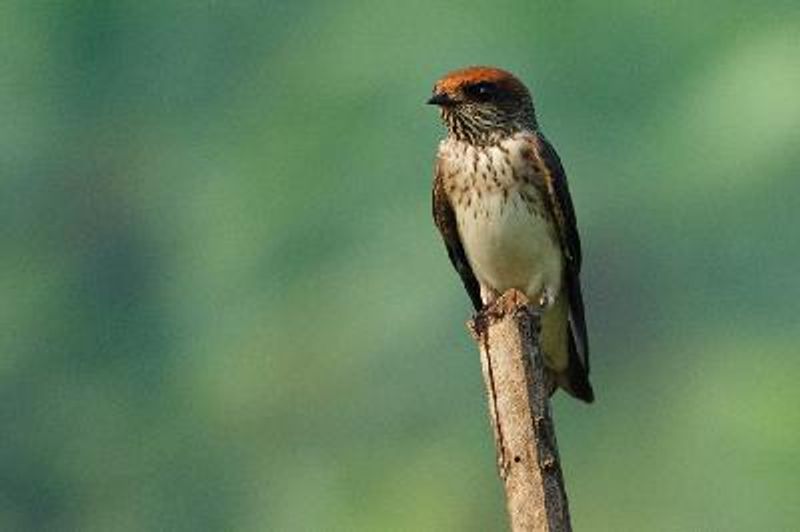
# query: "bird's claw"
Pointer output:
{"type": "Point", "coordinates": [546, 299]}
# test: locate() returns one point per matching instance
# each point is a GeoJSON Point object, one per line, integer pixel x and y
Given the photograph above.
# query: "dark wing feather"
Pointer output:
{"type": "Point", "coordinates": [445, 219]}
{"type": "Point", "coordinates": [560, 204]}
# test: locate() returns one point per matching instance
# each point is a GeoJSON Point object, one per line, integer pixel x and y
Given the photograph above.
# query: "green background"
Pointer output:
{"type": "Point", "coordinates": [223, 304]}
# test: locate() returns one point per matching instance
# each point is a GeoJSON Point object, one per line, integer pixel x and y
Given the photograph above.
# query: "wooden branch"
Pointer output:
{"type": "Point", "coordinates": [518, 389]}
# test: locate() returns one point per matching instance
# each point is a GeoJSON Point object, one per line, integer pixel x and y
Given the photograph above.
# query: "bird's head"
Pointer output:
{"type": "Point", "coordinates": [483, 104]}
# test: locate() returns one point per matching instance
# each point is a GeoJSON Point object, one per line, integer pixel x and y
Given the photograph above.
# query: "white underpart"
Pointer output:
{"type": "Point", "coordinates": [508, 243]}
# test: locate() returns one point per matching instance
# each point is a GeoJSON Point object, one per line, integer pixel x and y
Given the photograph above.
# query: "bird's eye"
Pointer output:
{"type": "Point", "coordinates": [482, 91]}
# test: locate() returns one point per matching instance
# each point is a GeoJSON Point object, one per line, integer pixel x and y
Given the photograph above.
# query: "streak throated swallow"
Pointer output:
{"type": "Point", "coordinates": [501, 203]}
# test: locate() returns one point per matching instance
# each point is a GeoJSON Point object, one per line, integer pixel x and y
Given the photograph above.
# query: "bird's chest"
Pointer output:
{"type": "Point", "coordinates": [504, 224]}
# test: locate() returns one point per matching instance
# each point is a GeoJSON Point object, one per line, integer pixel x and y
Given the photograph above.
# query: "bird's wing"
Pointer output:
{"type": "Point", "coordinates": [563, 214]}
{"type": "Point", "coordinates": [445, 219]}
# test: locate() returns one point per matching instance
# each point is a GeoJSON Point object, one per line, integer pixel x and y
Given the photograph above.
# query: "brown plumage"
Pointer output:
{"type": "Point", "coordinates": [516, 229]}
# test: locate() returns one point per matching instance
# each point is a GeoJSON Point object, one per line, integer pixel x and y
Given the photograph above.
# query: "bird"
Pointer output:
{"type": "Point", "coordinates": [504, 211]}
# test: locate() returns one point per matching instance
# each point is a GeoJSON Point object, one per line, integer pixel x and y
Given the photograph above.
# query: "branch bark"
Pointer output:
{"type": "Point", "coordinates": [518, 390]}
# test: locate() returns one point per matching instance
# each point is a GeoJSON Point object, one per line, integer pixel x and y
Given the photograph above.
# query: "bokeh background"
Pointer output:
{"type": "Point", "coordinates": [225, 307]}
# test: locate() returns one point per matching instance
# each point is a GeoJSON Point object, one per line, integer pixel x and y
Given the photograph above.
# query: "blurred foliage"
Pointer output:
{"type": "Point", "coordinates": [224, 305]}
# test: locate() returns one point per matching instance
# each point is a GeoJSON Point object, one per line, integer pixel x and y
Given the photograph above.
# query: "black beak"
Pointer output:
{"type": "Point", "coordinates": [441, 99]}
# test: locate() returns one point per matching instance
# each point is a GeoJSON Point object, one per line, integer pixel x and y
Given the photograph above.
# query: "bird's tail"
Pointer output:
{"type": "Point", "coordinates": [561, 353]}
{"type": "Point", "coordinates": [575, 379]}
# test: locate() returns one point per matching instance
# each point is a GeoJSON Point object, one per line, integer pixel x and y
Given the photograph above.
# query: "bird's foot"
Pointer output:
{"type": "Point", "coordinates": [488, 295]}
{"type": "Point", "coordinates": [546, 299]}
{"type": "Point", "coordinates": [487, 313]}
